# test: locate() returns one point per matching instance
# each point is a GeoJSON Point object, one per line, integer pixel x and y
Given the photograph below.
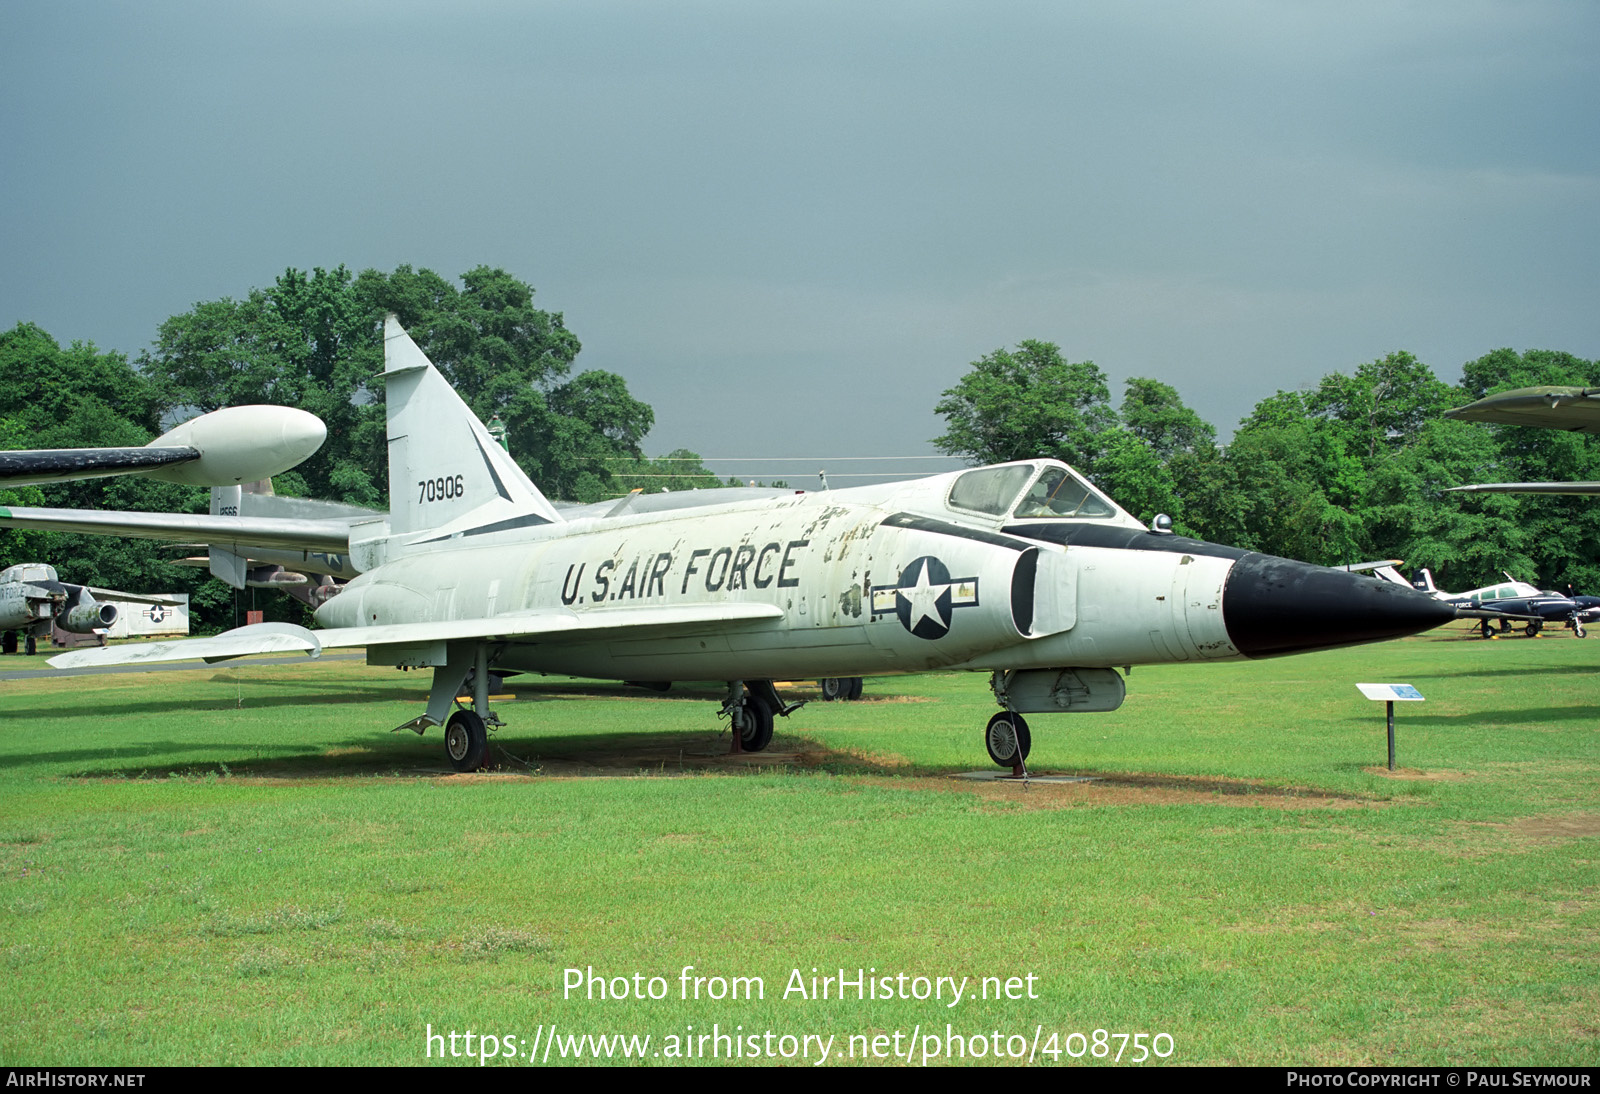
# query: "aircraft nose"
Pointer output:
{"type": "Point", "coordinates": [1273, 606]}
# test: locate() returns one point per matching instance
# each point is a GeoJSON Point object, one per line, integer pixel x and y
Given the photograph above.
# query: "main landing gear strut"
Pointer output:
{"type": "Point", "coordinates": [751, 706]}
{"type": "Point", "coordinates": [466, 734]}
{"type": "Point", "coordinates": [840, 688]}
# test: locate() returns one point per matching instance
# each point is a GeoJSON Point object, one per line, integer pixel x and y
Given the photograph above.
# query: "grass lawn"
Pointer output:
{"type": "Point", "coordinates": [245, 866]}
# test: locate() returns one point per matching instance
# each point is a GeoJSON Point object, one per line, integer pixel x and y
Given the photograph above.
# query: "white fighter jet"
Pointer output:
{"type": "Point", "coordinates": [1022, 570]}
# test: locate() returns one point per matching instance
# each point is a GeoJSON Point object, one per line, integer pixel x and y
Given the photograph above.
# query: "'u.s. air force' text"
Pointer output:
{"type": "Point", "coordinates": [719, 568]}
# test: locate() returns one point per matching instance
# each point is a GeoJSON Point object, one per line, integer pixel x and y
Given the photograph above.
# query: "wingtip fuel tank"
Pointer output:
{"type": "Point", "coordinates": [242, 444]}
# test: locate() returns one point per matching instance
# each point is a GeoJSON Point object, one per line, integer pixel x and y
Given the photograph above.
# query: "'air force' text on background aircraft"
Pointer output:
{"type": "Point", "coordinates": [1022, 570]}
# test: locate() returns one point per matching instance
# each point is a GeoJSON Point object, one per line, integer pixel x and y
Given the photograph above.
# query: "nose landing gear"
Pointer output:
{"type": "Point", "coordinates": [1008, 741]}
{"type": "Point", "coordinates": [751, 707]}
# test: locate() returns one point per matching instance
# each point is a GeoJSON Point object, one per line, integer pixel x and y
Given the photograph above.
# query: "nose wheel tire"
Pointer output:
{"type": "Point", "coordinates": [466, 741]}
{"type": "Point", "coordinates": [1007, 739]}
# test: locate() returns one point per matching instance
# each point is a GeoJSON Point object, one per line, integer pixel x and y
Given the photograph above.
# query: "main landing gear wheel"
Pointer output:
{"type": "Point", "coordinates": [8, 642]}
{"type": "Point", "coordinates": [1532, 630]}
{"type": "Point", "coordinates": [756, 733]}
{"type": "Point", "coordinates": [32, 645]}
{"type": "Point", "coordinates": [1007, 739]}
{"type": "Point", "coordinates": [1577, 630]}
{"type": "Point", "coordinates": [841, 688]}
{"type": "Point", "coordinates": [466, 741]}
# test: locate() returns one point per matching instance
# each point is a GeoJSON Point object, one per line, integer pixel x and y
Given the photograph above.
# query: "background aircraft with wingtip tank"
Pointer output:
{"type": "Point", "coordinates": [1023, 571]}
{"type": "Point", "coordinates": [1574, 409]}
{"type": "Point", "coordinates": [223, 448]}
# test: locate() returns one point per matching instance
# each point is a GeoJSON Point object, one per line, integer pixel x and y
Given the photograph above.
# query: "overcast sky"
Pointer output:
{"type": "Point", "coordinates": [792, 226]}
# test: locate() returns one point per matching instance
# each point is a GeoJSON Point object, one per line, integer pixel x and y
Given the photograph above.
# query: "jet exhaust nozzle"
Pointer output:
{"type": "Point", "coordinates": [87, 618]}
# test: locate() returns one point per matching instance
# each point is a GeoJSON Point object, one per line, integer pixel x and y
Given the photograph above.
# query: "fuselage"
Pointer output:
{"type": "Point", "coordinates": [883, 580]}
{"type": "Point", "coordinates": [1517, 598]}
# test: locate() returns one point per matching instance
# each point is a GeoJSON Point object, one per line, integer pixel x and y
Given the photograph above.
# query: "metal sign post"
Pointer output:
{"type": "Point", "coordinates": [1389, 694]}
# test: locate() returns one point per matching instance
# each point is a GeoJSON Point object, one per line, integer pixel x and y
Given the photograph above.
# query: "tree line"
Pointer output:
{"type": "Point", "coordinates": [1350, 470]}
{"type": "Point", "coordinates": [314, 340]}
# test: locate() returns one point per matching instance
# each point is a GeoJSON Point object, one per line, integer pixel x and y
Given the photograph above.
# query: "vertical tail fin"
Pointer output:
{"type": "Point", "coordinates": [1425, 581]}
{"type": "Point", "coordinates": [229, 567]}
{"type": "Point", "coordinates": [443, 464]}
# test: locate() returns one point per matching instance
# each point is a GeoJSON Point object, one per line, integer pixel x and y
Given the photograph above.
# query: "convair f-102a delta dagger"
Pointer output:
{"type": "Point", "coordinates": [1022, 570]}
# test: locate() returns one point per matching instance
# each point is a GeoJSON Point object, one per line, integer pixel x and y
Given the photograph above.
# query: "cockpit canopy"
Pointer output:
{"type": "Point", "coordinates": [1515, 590]}
{"type": "Point", "coordinates": [1030, 491]}
{"type": "Point", "coordinates": [28, 571]}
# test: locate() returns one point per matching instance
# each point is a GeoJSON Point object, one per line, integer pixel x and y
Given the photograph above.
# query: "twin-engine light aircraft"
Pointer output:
{"type": "Point", "coordinates": [1021, 570]}
{"type": "Point", "coordinates": [1513, 600]}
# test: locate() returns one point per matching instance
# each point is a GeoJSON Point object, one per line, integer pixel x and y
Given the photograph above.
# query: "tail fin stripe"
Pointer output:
{"type": "Point", "coordinates": [500, 487]}
{"type": "Point", "coordinates": [532, 520]}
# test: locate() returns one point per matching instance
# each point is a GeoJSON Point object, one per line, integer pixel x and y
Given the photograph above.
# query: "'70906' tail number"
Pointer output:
{"type": "Point", "coordinates": [441, 489]}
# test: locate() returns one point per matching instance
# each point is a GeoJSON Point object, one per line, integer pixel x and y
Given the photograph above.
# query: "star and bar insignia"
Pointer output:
{"type": "Point", "coordinates": [925, 597]}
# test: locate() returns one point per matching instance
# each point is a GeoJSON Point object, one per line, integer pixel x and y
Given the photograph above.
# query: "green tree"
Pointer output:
{"type": "Point", "coordinates": [1292, 485]}
{"type": "Point", "coordinates": [73, 397]}
{"type": "Point", "coordinates": [1382, 405]}
{"type": "Point", "coordinates": [1464, 539]}
{"type": "Point", "coordinates": [310, 342]}
{"type": "Point", "coordinates": [315, 341]}
{"type": "Point", "coordinates": [1136, 477]}
{"type": "Point", "coordinates": [1154, 413]}
{"type": "Point", "coordinates": [678, 470]}
{"type": "Point", "coordinates": [79, 397]}
{"type": "Point", "coordinates": [1025, 403]}
{"type": "Point", "coordinates": [1144, 464]}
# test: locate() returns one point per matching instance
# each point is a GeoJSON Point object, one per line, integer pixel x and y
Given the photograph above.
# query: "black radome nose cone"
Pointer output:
{"type": "Point", "coordinates": [1273, 606]}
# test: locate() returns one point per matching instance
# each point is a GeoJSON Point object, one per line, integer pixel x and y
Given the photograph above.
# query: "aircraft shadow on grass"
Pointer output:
{"type": "Point", "coordinates": [1519, 716]}
{"type": "Point", "coordinates": [220, 702]}
{"type": "Point", "coordinates": [609, 753]}
{"type": "Point", "coordinates": [1521, 673]}
{"type": "Point", "coordinates": [612, 755]}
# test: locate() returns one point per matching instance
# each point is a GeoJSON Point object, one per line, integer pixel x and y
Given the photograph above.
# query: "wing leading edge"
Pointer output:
{"type": "Point", "coordinates": [305, 535]}
{"type": "Point", "coordinates": [261, 638]}
{"type": "Point", "coordinates": [1579, 488]}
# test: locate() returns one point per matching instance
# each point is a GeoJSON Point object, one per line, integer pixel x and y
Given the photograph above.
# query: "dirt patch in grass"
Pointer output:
{"type": "Point", "coordinates": [1479, 838]}
{"type": "Point", "coordinates": [690, 752]}
{"type": "Point", "coordinates": [1416, 775]}
{"type": "Point", "coordinates": [1556, 827]}
{"type": "Point", "coordinates": [1126, 789]}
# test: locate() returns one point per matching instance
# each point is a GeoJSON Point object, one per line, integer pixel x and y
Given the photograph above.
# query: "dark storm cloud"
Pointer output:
{"type": "Point", "coordinates": [818, 214]}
